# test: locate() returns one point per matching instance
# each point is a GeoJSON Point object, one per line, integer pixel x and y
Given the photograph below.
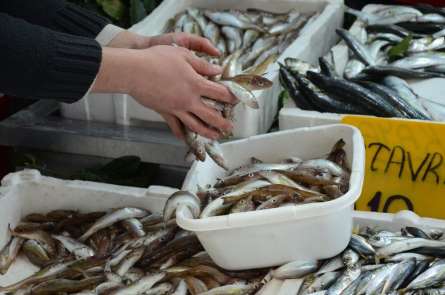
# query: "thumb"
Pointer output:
{"type": "Point", "coordinates": [203, 67]}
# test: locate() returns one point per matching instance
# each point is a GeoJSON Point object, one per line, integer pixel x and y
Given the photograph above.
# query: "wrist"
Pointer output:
{"type": "Point", "coordinates": [115, 71]}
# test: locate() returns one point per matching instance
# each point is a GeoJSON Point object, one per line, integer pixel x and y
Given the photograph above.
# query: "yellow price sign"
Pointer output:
{"type": "Point", "coordinates": [405, 167]}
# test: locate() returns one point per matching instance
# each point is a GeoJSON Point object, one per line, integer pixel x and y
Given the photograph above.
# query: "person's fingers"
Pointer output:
{"type": "Point", "coordinates": [211, 117]}
{"type": "Point", "coordinates": [216, 91]}
{"type": "Point", "coordinates": [175, 125]}
{"type": "Point", "coordinates": [195, 125]}
{"type": "Point", "coordinates": [196, 43]}
{"type": "Point", "coordinates": [202, 67]}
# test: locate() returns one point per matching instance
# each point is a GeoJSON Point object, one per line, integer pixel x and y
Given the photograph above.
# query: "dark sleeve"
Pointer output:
{"type": "Point", "coordinates": [40, 63]}
{"type": "Point", "coordinates": [57, 15]}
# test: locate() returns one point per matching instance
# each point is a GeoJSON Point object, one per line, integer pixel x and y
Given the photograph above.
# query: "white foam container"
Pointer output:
{"type": "Point", "coordinates": [292, 117]}
{"type": "Point", "coordinates": [246, 240]}
{"type": "Point", "coordinates": [388, 221]}
{"type": "Point", "coordinates": [317, 39]}
{"type": "Point", "coordinates": [28, 192]}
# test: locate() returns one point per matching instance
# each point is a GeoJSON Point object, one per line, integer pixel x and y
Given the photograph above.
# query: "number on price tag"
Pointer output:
{"type": "Point", "coordinates": [405, 166]}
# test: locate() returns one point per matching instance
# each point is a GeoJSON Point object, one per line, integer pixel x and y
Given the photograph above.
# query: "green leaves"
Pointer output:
{"type": "Point", "coordinates": [114, 8]}
{"type": "Point", "coordinates": [124, 13]}
{"type": "Point", "coordinates": [400, 49]}
{"type": "Point", "coordinates": [137, 11]}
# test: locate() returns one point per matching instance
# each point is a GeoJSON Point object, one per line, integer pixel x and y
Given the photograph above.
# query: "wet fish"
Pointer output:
{"type": "Point", "coordinates": [242, 94]}
{"type": "Point", "coordinates": [111, 218]}
{"type": "Point", "coordinates": [9, 253]}
{"type": "Point", "coordinates": [294, 270]}
{"type": "Point", "coordinates": [228, 19]}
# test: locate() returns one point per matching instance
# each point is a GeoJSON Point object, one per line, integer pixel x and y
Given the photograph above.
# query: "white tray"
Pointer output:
{"type": "Point", "coordinates": [317, 40]}
{"type": "Point", "coordinates": [292, 117]}
{"type": "Point", "coordinates": [28, 192]}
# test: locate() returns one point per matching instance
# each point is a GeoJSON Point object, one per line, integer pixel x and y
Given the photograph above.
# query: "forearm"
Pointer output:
{"type": "Point", "coordinates": [57, 15]}
{"type": "Point", "coordinates": [43, 64]}
{"type": "Point", "coordinates": [115, 70]}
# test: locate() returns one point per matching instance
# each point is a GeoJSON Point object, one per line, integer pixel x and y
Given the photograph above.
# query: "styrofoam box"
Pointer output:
{"type": "Point", "coordinates": [292, 117]}
{"type": "Point", "coordinates": [316, 40]}
{"type": "Point", "coordinates": [28, 192]}
{"type": "Point", "coordinates": [246, 240]}
{"type": "Point", "coordinates": [388, 221]}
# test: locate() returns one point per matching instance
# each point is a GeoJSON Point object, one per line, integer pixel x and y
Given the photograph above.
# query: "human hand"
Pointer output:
{"type": "Point", "coordinates": [127, 39]}
{"type": "Point", "coordinates": [169, 80]}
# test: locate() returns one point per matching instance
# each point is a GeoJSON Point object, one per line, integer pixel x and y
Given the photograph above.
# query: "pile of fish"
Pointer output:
{"type": "Point", "coordinates": [259, 186]}
{"type": "Point", "coordinates": [124, 251]}
{"type": "Point", "coordinates": [387, 46]}
{"type": "Point", "coordinates": [130, 251]}
{"type": "Point", "coordinates": [375, 262]}
{"type": "Point", "coordinates": [249, 42]}
{"type": "Point", "coordinates": [254, 37]}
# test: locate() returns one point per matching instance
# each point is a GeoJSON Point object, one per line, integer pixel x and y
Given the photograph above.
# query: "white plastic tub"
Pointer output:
{"type": "Point", "coordinates": [292, 117]}
{"type": "Point", "coordinates": [28, 192]}
{"type": "Point", "coordinates": [275, 236]}
{"type": "Point", "coordinates": [317, 39]}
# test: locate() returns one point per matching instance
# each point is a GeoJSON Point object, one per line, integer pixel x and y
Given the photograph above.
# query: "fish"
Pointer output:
{"type": "Point", "coordinates": [233, 66]}
{"type": "Point", "coordinates": [129, 261]}
{"type": "Point", "coordinates": [355, 92]}
{"type": "Point", "coordinates": [251, 82]}
{"type": "Point", "coordinates": [349, 276]}
{"type": "Point", "coordinates": [9, 253]}
{"type": "Point", "coordinates": [249, 37]}
{"type": "Point", "coordinates": [213, 33]}
{"type": "Point", "coordinates": [35, 253]}
{"type": "Point", "coordinates": [78, 249]}
{"type": "Point", "coordinates": [428, 278]}
{"type": "Point", "coordinates": [134, 226]}
{"type": "Point", "coordinates": [361, 245]}
{"type": "Point", "coordinates": [182, 198]}
{"type": "Point", "coordinates": [234, 38]}
{"type": "Point", "coordinates": [228, 19]}
{"type": "Point", "coordinates": [41, 236]}
{"type": "Point", "coordinates": [406, 245]}
{"type": "Point", "coordinates": [360, 51]}
{"type": "Point", "coordinates": [294, 269]}
{"type": "Point", "coordinates": [398, 275]}
{"type": "Point", "coordinates": [111, 218]}
{"type": "Point", "coordinates": [64, 285]}
{"type": "Point", "coordinates": [242, 94]}
{"type": "Point", "coordinates": [141, 286]}
{"type": "Point", "coordinates": [214, 150]}
{"type": "Point", "coordinates": [195, 142]}
{"type": "Point", "coordinates": [403, 90]}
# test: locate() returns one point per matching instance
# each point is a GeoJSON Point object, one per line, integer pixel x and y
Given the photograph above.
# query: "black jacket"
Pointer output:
{"type": "Point", "coordinates": [47, 49]}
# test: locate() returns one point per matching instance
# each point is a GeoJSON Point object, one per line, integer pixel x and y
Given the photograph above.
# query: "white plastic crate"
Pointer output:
{"type": "Point", "coordinates": [318, 38]}
{"type": "Point", "coordinates": [292, 117]}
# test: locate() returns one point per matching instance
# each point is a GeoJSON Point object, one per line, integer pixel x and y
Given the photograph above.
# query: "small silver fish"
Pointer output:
{"type": "Point", "coordinates": [228, 19]}
{"type": "Point", "coordinates": [111, 218]}
{"type": "Point", "coordinates": [234, 35]}
{"type": "Point", "coordinates": [73, 246]}
{"type": "Point", "coordinates": [9, 253]}
{"type": "Point", "coordinates": [294, 270]}
{"type": "Point", "coordinates": [183, 198]}
{"type": "Point", "coordinates": [243, 95]}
